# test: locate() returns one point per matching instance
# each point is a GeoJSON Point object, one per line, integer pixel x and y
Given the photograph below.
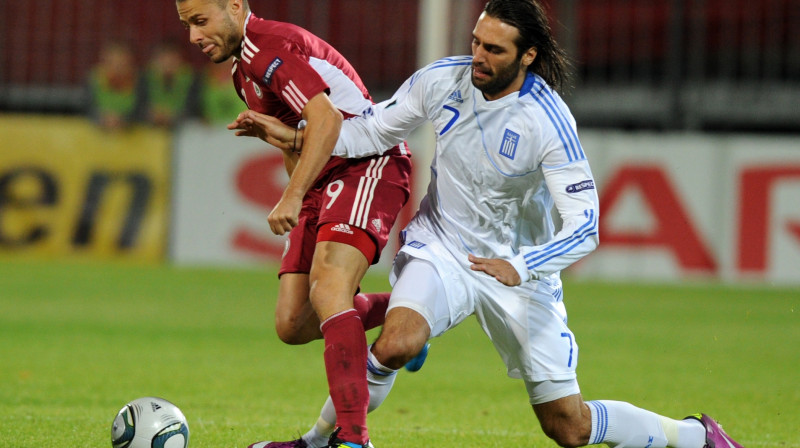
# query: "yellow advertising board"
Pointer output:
{"type": "Point", "coordinates": [68, 188]}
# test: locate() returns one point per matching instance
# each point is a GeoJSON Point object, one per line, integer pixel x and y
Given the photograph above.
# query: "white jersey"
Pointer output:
{"type": "Point", "coordinates": [498, 169]}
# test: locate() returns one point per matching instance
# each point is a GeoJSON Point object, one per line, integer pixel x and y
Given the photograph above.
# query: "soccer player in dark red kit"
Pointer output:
{"type": "Point", "coordinates": [338, 212]}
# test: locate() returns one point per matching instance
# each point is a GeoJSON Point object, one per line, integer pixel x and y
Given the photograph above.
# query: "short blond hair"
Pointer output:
{"type": "Point", "coordinates": [221, 3]}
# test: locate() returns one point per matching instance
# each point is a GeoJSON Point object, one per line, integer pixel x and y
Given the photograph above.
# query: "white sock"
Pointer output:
{"type": "Point", "coordinates": [380, 380]}
{"type": "Point", "coordinates": [318, 435]}
{"type": "Point", "coordinates": [621, 424]}
{"type": "Point", "coordinates": [689, 433]}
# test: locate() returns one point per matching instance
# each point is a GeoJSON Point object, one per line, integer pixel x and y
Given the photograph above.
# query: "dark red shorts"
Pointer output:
{"type": "Point", "coordinates": [367, 194]}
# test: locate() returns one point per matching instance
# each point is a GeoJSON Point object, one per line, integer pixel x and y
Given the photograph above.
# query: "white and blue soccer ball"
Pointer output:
{"type": "Point", "coordinates": [150, 422]}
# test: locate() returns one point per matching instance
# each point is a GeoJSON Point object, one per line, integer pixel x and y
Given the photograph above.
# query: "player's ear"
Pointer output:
{"type": "Point", "coordinates": [235, 7]}
{"type": "Point", "coordinates": [529, 56]}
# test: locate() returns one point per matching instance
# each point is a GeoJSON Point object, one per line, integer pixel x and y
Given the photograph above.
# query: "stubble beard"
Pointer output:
{"type": "Point", "coordinates": [501, 79]}
{"type": "Point", "coordinates": [231, 42]}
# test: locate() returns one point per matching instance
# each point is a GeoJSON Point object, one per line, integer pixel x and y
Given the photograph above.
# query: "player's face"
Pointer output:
{"type": "Point", "coordinates": [497, 69]}
{"type": "Point", "coordinates": [211, 28]}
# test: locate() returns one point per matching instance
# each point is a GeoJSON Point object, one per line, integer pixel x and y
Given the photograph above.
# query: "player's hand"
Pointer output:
{"type": "Point", "coordinates": [244, 126]}
{"type": "Point", "coordinates": [284, 217]}
{"type": "Point", "coordinates": [254, 124]}
{"type": "Point", "coordinates": [501, 270]}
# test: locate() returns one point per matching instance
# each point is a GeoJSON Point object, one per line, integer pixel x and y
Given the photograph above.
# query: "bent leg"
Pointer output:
{"type": "Point", "coordinates": [402, 337]}
{"type": "Point", "coordinates": [621, 424]}
{"type": "Point", "coordinates": [296, 322]}
{"type": "Point", "coordinates": [371, 308]}
{"type": "Point", "coordinates": [336, 272]}
{"type": "Point", "coordinates": [418, 310]}
{"type": "Point", "coordinates": [295, 319]}
{"type": "Point", "coordinates": [571, 422]}
{"type": "Point", "coordinates": [567, 420]}
{"type": "Point", "coordinates": [404, 334]}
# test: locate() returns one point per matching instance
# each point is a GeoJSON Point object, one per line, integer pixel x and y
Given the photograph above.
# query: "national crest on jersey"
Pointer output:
{"type": "Point", "coordinates": [508, 148]}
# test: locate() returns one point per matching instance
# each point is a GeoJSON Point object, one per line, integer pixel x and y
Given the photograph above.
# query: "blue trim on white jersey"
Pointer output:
{"type": "Point", "coordinates": [462, 58]}
{"type": "Point", "coordinates": [441, 63]}
{"type": "Point", "coordinates": [555, 167]}
{"type": "Point", "coordinates": [537, 258]}
{"type": "Point", "coordinates": [566, 132]}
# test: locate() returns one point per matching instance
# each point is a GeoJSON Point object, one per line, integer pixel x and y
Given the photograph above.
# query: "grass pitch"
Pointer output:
{"type": "Point", "coordinates": [79, 340]}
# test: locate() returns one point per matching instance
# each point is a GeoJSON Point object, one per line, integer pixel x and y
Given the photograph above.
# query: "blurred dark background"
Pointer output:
{"type": "Point", "coordinates": [708, 65]}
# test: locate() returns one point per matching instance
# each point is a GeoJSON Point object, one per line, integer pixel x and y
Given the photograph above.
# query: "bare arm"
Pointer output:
{"type": "Point", "coordinates": [321, 132]}
{"type": "Point", "coordinates": [254, 124]}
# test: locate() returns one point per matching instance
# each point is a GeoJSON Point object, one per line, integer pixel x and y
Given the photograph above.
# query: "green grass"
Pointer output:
{"type": "Point", "coordinates": [78, 341]}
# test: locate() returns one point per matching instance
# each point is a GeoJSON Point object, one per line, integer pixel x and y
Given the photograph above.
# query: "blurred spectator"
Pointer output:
{"type": "Point", "coordinates": [113, 100]}
{"type": "Point", "coordinates": [219, 103]}
{"type": "Point", "coordinates": [170, 87]}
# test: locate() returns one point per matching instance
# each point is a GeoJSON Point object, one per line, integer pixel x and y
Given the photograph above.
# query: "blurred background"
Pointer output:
{"type": "Point", "coordinates": [113, 140]}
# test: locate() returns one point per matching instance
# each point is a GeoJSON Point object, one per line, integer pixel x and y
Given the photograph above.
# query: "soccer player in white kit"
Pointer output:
{"type": "Point", "coordinates": [484, 241]}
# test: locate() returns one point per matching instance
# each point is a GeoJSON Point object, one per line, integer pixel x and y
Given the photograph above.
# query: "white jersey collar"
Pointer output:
{"type": "Point", "coordinates": [482, 102]}
{"type": "Point", "coordinates": [244, 29]}
{"type": "Point", "coordinates": [246, 21]}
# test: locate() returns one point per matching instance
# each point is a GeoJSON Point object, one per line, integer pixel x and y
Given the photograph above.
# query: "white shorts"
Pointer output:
{"type": "Point", "coordinates": [526, 323]}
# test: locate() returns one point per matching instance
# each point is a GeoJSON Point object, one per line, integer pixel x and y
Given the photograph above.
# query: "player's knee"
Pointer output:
{"type": "Point", "coordinates": [333, 292]}
{"type": "Point", "coordinates": [395, 349]}
{"type": "Point", "coordinates": [287, 334]}
{"type": "Point", "coordinates": [293, 332]}
{"type": "Point", "coordinates": [395, 352]}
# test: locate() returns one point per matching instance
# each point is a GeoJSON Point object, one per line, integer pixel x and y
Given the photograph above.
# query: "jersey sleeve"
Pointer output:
{"type": "Point", "coordinates": [289, 76]}
{"type": "Point", "coordinates": [571, 185]}
{"type": "Point", "coordinates": [385, 124]}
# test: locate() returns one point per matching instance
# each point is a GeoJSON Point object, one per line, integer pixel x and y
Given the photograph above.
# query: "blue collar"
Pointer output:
{"type": "Point", "coordinates": [527, 86]}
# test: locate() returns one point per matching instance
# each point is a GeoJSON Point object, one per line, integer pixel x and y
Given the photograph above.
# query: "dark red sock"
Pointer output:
{"type": "Point", "coordinates": [346, 366]}
{"type": "Point", "coordinates": [371, 308]}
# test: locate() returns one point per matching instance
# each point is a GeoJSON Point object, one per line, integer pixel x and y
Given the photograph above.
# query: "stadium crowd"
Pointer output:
{"type": "Point", "coordinates": [161, 92]}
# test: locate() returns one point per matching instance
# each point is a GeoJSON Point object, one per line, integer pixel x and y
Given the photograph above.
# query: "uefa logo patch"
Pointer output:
{"type": "Point", "coordinates": [277, 62]}
{"type": "Point", "coordinates": [509, 146]}
{"type": "Point", "coordinates": [580, 186]}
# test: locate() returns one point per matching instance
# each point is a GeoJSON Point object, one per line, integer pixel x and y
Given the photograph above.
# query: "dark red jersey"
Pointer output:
{"type": "Point", "coordinates": [282, 66]}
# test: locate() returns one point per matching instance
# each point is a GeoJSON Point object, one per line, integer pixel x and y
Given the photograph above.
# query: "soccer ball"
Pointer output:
{"type": "Point", "coordinates": [150, 422]}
